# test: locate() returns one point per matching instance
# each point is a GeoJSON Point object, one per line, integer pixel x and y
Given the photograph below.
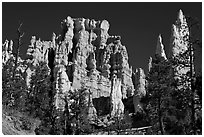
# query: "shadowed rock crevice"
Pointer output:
{"type": "Point", "coordinates": [51, 55]}
{"type": "Point", "coordinates": [102, 105]}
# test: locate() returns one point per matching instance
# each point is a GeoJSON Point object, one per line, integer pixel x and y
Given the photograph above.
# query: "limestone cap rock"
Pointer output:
{"type": "Point", "coordinates": [105, 25]}
{"type": "Point", "coordinates": [180, 18]}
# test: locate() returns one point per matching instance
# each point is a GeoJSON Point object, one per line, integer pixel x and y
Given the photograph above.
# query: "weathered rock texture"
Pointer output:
{"type": "Point", "coordinates": [85, 56]}
{"type": "Point", "coordinates": [180, 44]}
{"type": "Point", "coordinates": [37, 52]}
{"type": "Point", "coordinates": [140, 88]}
{"type": "Point", "coordinates": [160, 53]}
{"type": "Point", "coordinates": [7, 51]}
{"type": "Point", "coordinates": [179, 36]}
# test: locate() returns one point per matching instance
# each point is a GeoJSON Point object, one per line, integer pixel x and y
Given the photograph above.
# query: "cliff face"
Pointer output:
{"type": "Point", "coordinates": [85, 56]}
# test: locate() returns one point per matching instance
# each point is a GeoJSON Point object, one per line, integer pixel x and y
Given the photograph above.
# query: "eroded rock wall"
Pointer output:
{"type": "Point", "coordinates": [85, 57]}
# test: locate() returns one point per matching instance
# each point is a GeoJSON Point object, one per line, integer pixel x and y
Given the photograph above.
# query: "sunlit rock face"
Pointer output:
{"type": "Point", "coordinates": [82, 57]}
{"type": "Point", "coordinates": [179, 43]}
{"type": "Point", "coordinates": [37, 52]}
{"type": "Point", "coordinates": [150, 64]}
{"type": "Point", "coordinates": [7, 51]}
{"type": "Point", "coordinates": [140, 88]}
{"type": "Point", "coordinates": [85, 57]}
{"type": "Point", "coordinates": [160, 53]}
{"type": "Point", "coordinates": [9, 58]}
{"type": "Point", "coordinates": [179, 36]}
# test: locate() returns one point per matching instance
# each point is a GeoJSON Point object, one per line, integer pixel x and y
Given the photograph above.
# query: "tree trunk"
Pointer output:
{"type": "Point", "coordinates": [192, 90]}
{"type": "Point", "coordinates": [18, 48]}
{"type": "Point", "coordinates": [161, 125]}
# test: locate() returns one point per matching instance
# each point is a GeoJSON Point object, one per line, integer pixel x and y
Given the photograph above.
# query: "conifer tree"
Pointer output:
{"type": "Point", "coordinates": [40, 98]}
{"type": "Point", "coordinates": [158, 98]}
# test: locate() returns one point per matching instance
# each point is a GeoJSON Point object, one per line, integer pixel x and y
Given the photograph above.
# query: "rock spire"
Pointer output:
{"type": "Point", "coordinates": [179, 36]}
{"type": "Point", "coordinates": [160, 48]}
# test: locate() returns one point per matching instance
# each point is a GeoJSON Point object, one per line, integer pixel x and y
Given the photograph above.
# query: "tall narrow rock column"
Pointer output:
{"type": "Point", "coordinates": [140, 90]}
{"type": "Point", "coordinates": [160, 53]}
{"type": "Point", "coordinates": [179, 43]}
{"type": "Point", "coordinates": [61, 86]}
{"type": "Point", "coordinates": [117, 107]}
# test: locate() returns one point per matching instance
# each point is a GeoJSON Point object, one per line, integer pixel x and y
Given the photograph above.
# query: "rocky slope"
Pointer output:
{"type": "Point", "coordinates": [16, 123]}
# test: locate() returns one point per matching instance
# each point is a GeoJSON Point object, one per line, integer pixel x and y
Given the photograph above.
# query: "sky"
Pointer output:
{"type": "Point", "coordinates": [138, 24]}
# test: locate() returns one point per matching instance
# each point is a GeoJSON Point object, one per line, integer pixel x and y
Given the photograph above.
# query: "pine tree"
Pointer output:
{"type": "Point", "coordinates": [78, 112]}
{"type": "Point", "coordinates": [39, 91]}
{"type": "Point", "coordinates": [14, 89]}
{"type": "Point", "coordinates": [19, 44]}
{"type": "Point", "coordinates": [40, 96]}
{"type": "Point", "coordinates": [158, 98]}
{"type": "Point", "coordinates": [184, 84]}
{"type": "Point", "coordinates": [7, 88]}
